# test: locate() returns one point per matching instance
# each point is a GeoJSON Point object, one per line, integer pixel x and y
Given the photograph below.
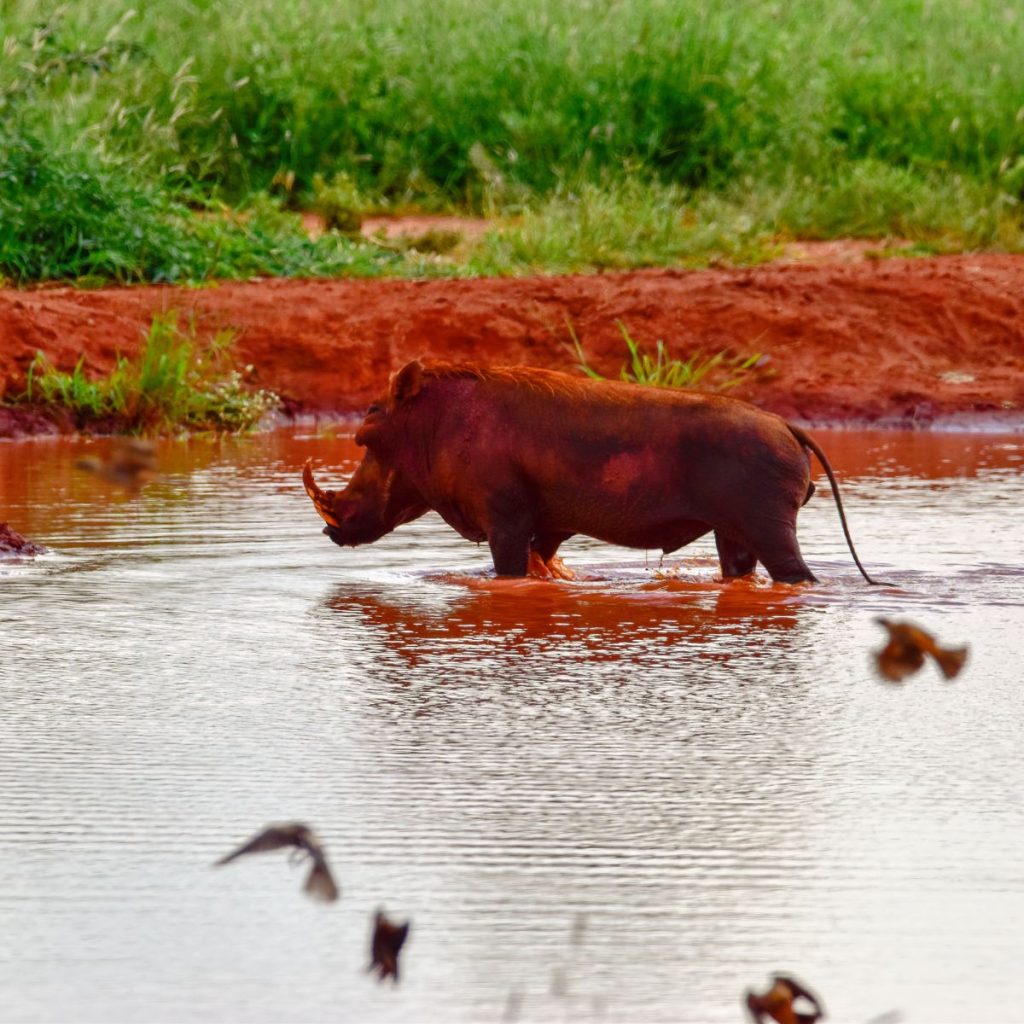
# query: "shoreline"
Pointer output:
{"type": "Point", "coordinates": [39, 428]}
{"type": "Point", "coordinates": [929, 343]}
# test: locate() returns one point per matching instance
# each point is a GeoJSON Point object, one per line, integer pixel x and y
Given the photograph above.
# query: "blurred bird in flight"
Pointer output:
{"type": "Point", "coordinates": [779, 1003]}
{"type": "Point", "coordinates": [908, 644]}
{"type": "Point", "coordinates": [320, 884]}
{"type": "Point", "coordinates": [388, 939]}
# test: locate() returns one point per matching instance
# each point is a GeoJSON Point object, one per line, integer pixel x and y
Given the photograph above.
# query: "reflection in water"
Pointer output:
{"type": "Point", "coordinates": [129, 462]}
{"type": "Point", "coordinates": [607, 617]}
{"type": "Point", "coordinates": [708, 774]}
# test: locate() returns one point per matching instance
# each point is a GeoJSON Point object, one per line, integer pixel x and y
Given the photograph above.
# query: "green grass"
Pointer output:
{"type": "Point", "coordinates": [175, 383]}
{"type": "Point", "coordinates": [624, 224]}
{"type": "Point", "coordinates": [719, 372]}
{"type": "Point", "coordinates": [67, 215]}
{"type": "Point", "coordinates": [637, 131]}
{"type": "Point", "coordinates": [630, 223]}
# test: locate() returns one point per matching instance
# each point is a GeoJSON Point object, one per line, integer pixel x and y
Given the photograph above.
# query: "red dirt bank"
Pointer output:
{"type": "Point", "coordinates": [898, 341]}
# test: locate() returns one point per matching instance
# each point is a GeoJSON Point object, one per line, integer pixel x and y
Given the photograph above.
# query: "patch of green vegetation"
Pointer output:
{"type": "Point", "coordinates": [718, 372]}
{"type": "Point", "coordinates": [437, 100]}
{"type": "Point", "coordinates": [68, 216]}
{"type": "Point", "coordinates": [874, 200]}
{"type": "Point", "coordinates": [630, 223]}
{"type": "Point", "coordinates": [622, 225]}
{"type": "Point", "coordinates": [339, 203]}
{"type": "Point", "coordinates": [77, 212]}
{"type": "Point", "coordinates": [175, 383]}
{"type": "Point", "coordinates": [609, 134]}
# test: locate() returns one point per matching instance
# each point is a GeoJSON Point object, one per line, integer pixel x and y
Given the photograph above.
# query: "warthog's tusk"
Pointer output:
{"type": "Point", "coordinates": [321, 499]}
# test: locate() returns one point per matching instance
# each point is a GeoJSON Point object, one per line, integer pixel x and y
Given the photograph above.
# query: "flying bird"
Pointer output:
{"type": "Point", "coordinates": [388, 939]}
{"type": "Point", "coordinates": [320, 883]}
{"type": "Point", "coordinates": [904, 654]}
{"type": "Point", "coordinates": [777, 1003]}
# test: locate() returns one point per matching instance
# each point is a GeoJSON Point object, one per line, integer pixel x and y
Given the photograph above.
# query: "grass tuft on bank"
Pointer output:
{"type": "Point", "coordinates": [719, 371]}
{"type": "Point", "coordinates": [176, 383]}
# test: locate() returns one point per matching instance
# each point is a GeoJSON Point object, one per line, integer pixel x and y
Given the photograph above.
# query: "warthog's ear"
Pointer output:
{"type": "Point", "coordinates": [407, 381]}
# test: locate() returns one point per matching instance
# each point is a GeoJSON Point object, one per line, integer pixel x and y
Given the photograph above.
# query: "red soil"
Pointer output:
{"type": "Point", "coordinates": [894, 341]}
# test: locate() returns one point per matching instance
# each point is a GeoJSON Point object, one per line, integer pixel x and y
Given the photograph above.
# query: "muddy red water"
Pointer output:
{"type": "Point", "coordinates": [897, 340]}
{"type": "Point", "coordinates": [629, 797]}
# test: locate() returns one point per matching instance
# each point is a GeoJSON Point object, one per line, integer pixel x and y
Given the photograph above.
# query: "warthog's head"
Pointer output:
{"type": "Point", "coordinates": [375, 501]}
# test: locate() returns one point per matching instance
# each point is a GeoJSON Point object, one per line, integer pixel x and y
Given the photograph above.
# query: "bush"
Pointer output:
{"type": "Point", "coordinates": [67, 216]}
{"type": "Point", "coordinates": [175, 383]}
{"type": "Point", "coordinates": [64, 216]}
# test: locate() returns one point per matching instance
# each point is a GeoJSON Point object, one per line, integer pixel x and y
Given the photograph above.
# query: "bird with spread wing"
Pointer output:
{"type": "Point", "coordinates": [320, 884]}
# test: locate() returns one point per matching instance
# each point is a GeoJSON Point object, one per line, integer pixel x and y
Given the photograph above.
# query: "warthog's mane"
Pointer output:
{"type": "Point", "coordinates": [547, 382]}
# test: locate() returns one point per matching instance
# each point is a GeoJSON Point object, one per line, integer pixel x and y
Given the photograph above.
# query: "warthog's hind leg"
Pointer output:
{"type": "Point", "coordinates": [778, 551]}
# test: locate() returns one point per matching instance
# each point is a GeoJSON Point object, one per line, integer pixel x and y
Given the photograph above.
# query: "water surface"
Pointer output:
{"type": "Point", "coordinates": [626, 798]}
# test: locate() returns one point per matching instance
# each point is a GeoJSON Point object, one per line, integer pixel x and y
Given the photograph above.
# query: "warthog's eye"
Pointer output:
{"type": "Point", "coordinates": [373, 409]}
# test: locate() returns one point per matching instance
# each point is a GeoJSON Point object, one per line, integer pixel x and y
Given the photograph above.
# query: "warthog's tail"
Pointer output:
{"type": "Point", "coordinates": [808, 442]}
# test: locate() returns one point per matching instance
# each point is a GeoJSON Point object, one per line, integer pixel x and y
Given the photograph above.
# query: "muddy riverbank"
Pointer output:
{"type": "Point", "coordinates": [903, 342]}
